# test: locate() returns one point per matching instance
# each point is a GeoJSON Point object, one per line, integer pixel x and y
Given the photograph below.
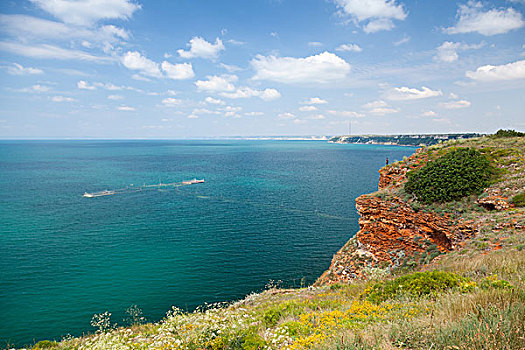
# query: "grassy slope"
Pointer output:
{"type": "Point", "coordinates": [482, 314]}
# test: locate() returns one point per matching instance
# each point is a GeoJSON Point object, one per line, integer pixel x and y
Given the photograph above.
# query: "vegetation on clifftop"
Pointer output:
{"type": "Point", "coordinates": [456, 174]}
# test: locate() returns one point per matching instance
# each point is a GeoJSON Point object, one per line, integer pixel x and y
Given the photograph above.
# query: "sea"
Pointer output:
{"type": "Point", "coordinates": [270, 213]}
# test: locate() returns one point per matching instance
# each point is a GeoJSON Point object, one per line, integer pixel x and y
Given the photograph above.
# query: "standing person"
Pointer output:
{"type": "Point", "coordinates": [386, 161]}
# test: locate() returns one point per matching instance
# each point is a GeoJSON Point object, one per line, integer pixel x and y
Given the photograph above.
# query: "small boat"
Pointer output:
{"type": "Point", "coordinates": [98, 194]}
{"type": "Point", "coordinates": [191, 182]}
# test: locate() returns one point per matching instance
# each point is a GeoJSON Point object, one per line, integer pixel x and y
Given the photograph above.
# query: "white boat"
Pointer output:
{"type": "Point", "coordinates": [191, 182]}
{"type": "Point", "coordinates": [98, 194]}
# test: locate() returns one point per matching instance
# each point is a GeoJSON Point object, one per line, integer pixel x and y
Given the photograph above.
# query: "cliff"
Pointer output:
{"type": "Point", "coordinates": [401, 140]}
{"type": "Point", "coordinates": [396, 231]}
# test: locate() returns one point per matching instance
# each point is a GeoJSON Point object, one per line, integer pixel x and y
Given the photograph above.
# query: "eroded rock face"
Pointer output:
{"type": "Point", "coordinates": [393, 234]}
{"type": "Point", "coordinates": [391, 176]}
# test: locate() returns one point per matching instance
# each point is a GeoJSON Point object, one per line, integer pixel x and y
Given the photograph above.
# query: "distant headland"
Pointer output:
{"type": "Point", "coordinates": [402, 140]}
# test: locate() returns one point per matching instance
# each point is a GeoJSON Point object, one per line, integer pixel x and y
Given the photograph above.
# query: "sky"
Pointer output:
{"type": "Point", "coordinates": [209, 68]}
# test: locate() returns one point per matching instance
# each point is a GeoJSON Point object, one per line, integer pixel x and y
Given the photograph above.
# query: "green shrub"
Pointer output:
{"type": "Point", "coordinates": [272, 315]}
{"type": "Point", "coordinates": [494, 282]}
{"type": "Point", "coordinates": [508, 133]}
{"type": "Point", "coordinates": [253, 341]}
{"type": "Point", "coordinates": [519, 200]}
{"type": "Point", "coordinates": [417, 284]}
{"type": "Point", "coordinates": [45, 344]}
{"type": "Point", "coordinates": [455, 175]}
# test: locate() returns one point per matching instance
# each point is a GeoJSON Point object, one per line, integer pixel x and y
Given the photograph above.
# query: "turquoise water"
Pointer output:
{"type": "Point", "coordinates": [269, 210]}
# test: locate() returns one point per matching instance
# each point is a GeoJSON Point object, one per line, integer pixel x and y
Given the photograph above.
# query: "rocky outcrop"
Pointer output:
{"type": "Point", "coordinates": [494, 203]}
{"type": "Point", "coordinates": [394, 233]}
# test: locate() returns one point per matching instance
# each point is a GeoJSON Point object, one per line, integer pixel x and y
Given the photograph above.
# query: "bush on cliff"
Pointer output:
{"type": "Point", "coordinates": [508, 133]}
{"type": "Point", "coordinates": [417, 284]}
{"type": "Point", "coordinates": [519, 200]}
{"type": "Point", "coordinates": [456, 174]}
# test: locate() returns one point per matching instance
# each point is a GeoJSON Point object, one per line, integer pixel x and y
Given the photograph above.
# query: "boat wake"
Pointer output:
{"type": "Point", "coordinates": [132, 188]}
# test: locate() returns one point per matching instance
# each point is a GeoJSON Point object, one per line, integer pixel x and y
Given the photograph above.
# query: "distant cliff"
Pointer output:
{"type": "Point", "coordinates": [401, 140]}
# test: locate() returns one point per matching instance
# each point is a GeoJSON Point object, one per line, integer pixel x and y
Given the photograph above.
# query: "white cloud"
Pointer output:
{"type": "Point", "coordinates": [35, 88]}
{"type": "Point", "coordinates": [379, 13]}
{"type": "Point", "coordinates": [49, 52]}
{"type": "Point", "coordinates": [286, 115]}
{"type": "Point", "coordinates": [349, 47]}
{"type": "Point", "coordinates": [171, 102]}
{"type": "Point", "coordinates": [84, 85]}
{"type": "Point", "coordinates": [88, 11]}
{"type": "Point", "coordinates": [322, 68]}
{"type": "Point", "coordinates": [110, 86]}
{"type": "Point", "coordinates": [230, 68]}
{"type": "Point", "coordinates": [126, 108]}
{"type": "Point", "coordinates": [472, 18]}
{"type": "Point", "coordinates": [246, 92]}
{"type": "Point", "coordinates": [235, 42]}
{"type": "Point", "coordinates": [379, 108]}
{"type": "Point", "coordinates": [41, 88]}
{"type": "Point", "coordinates": [27, 28]}
{"type": "Point", "coordinates": [308, 108]}
{"type": "Point", "coordinates": [214, 101]}
{"type": "Point", "coordinates": [442, 120]}
{"type": "Point", "coordinates": [347, 114]}
{"type": "Point", "coordinates": [62, 99]}
{"type": "Point", "coordinates": [456, 104]}
{"type": "Point", "coordinates": [405, 93]}
{"type": "Point", "coordinates": [375, 104]}
{"type": "Point", "coordinates": [317, 117]}
{"type": "Point", "coordinates": [231, 111]}
{"type": "Point", "coordinates": [115, 97]}
{"type": "Point", "coordinates": [315, 44]}
{"type": "Point", "coordinates": [203, 49]}
{"type": "Point", "coordinates": [383, 111]}
{"type": "Point", "coordinates": [135, 61]}
{"type": "Point", "coordinates": [217, 83]}
{"type": "Point", "coordinates": [378, 25]}
{"type": "Point", "coordinates": [367, 9]}
{"type": "Point", "coordinates": [402, 41]}
{"type": "Point", "coordinates": [510, 71]}
{"type": "Point", "coordinates": [314, 101]}
{"type": "Point", "coordinates": [139, 77]}
{"type": "Point", "coordinates": [198, 111]}
{"type": "Point", "coordinates": [18, 69]}
{"type": "Point", "coordinates": [447, 52]}
{"type": "Point", "coordinates": [180, 71]}
{"type": "Point", "coordinates": [253, 114]}
{"type": "Point", "coordinates": [429, 114]}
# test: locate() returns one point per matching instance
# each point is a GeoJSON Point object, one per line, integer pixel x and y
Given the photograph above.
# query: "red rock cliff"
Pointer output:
{"type": "Point", "coordinates": [393, 233]}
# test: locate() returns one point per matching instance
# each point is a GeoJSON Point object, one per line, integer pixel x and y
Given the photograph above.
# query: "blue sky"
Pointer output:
{"type": "Point", "coordinates": [183, 69]}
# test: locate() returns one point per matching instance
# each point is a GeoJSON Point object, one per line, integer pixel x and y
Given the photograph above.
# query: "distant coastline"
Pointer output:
{"type": "Point", "coordinates": [413, 140]}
